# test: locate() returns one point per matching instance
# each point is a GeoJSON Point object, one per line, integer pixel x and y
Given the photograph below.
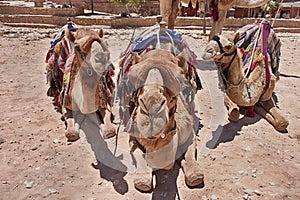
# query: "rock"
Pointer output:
{"type": "Point", "coordinates": [204, 198]}
{"type": "Point", "coordinates": [272, 183]}
{"type": "Point", "coordinates": [56, 141]}
{"type": "Point", "coordinates": [249, 191]}
{"type": "Point", "coordinates": [257, 192]}
{"type": "Point", "coordinates": [2, 140]}
{"type": "Point", "coordinates": [254, 170]}
{"type": "Point", "coordinates": [4, 182]}
{"type": "Point", "coordinates": [214, 197]}
{"type": "Point", "coordinates": [28, 184]}
{"type": "Point", "coordinates": [34, 148]}
{"type": "Point", "coordinates": [245, 196]}
{"type": "Point", "coordinates": [99, 182]}
{"type": "Point", "coordinates": [53, 191]}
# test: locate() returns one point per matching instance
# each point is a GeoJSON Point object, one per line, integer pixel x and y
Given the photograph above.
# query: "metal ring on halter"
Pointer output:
{"type": "Point", "coordinates": [89, 71]}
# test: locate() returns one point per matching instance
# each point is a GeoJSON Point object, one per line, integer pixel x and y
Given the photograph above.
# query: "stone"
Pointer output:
{"type": "Point", "coordinates": [53, 191]}
{"type": "Point", "coordinates": [204, 198]}
{"type": "Point", "coordinates": [56, 141]}
{"type": "Point", "coordinates": [214, 197]}
{"type": "Point", "coordinates": [272, 183]}
{"type": "Point", "coordinates": [249, 191]}
{"type": "Point", "coordinates": [34, 148]}
{"type": "Point", "coordinates": [257, 192]}
{"type": "Point", "coordinates": [28, 184]}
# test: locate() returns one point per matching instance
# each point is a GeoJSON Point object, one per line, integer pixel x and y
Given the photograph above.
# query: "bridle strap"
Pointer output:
{"type": "Point", "coordinates": [217, 39]}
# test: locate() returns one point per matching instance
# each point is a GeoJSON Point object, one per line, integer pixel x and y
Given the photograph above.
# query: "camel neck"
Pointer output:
{"type": "Point", "coordinates": [235, 73]}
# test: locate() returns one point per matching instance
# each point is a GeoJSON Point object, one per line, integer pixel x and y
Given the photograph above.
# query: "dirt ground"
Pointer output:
{"type": "Point", "coordinates": [244, 160]}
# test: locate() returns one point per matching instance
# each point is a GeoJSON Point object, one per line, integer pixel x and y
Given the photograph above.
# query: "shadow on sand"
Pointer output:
{"type": "Point", "coordinates": [165, 180]}
{"type": "Point", "coordinates": [103, 155]}
{"type": "Point", "coordinates": [228, 132]}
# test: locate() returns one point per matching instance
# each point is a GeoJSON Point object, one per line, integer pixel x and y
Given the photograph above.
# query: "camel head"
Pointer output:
{"type": "Point", "coordinates": [91, 60]}
{"type": "Point", "coordinates": [156, 76]}
{"type": "Point", "coordinates": [221, 47]}
{"type": "Point", "coordinates": [92, 49]}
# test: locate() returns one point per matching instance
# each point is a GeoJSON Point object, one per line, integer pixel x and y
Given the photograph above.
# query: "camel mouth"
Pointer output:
{"type": "Point", "coordinates": [208, 55]}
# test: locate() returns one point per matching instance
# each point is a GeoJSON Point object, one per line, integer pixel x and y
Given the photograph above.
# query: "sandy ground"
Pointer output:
{"type": "Point", "coordinates": [244, 160]}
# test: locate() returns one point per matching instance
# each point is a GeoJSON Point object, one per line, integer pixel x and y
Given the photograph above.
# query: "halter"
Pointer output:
{"type": "Point", "coordinates": [224, 72]}
{"type": "Point", "coordinates": [130, 126]}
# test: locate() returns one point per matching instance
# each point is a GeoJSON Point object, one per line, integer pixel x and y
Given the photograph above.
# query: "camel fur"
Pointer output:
{"type": "Point", "coordinates": [238, 86]}
{"type": "Point", "coordinates": [162, 125]}
{"type": "Point", "coordinates": [85, 89]}
{"type": "Point", "coordinates": [169, 11]}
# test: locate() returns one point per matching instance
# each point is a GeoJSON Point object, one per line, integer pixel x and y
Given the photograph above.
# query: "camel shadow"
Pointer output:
{"type": "Point", "coordinates": [89, 125]}
{"type": "Point", "coordinates": [228, 132]}
{"type": "Point", "coordinates": [166, 180]}
{"type": "Point", "coordinates": [206, 65]}
{"type": "Point", "coordinates": [166, 183]}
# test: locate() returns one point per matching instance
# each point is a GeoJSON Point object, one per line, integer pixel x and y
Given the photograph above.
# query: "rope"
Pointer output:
{"type": "Point", "coordinates": [276, 15]}
{"type": "Point", "coordinates": [251, 58]}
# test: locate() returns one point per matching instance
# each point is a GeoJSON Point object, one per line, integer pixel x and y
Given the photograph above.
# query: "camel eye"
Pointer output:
{"type": "Point", "coordinates": [228, 46]}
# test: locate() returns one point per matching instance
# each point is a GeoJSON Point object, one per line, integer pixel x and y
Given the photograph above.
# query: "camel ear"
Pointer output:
{"type": "Point", "coordinates": [101, 33]}
{"type": "Point", "coordinates": [182, 60]}
{"type": "Point", "coordinates": [136, 58]}
{"type": "Point", "coordinates": [70, 35]}
{"type": "Point", "coordinates": [236, 37]}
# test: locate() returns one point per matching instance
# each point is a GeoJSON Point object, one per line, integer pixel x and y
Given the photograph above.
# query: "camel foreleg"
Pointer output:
{"type": "Point", "coordinates": [217, 26]}
{"type": "Point", "coordinates": [233, 109]}
{"type": "Point", "coordinates": [108, 129]}
{"type": "Point", "coordinates": [191, 168]}
{"type": "Point", "coordinates": [173, 14]}
{"type": "Point", "coordinates": [272, 114]}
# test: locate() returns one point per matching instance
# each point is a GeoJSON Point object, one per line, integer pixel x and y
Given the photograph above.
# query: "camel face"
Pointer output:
{"type": "Point", "coordinates": [153, 112]}
{"type": "Point", "coordinates": [244, 89]}
{"type": "Point", "coordinates": [220, 46]}
{"type": "Point", "coordinates": [91, 61]}
{"type": "Point", "coordinates": [85, 76]}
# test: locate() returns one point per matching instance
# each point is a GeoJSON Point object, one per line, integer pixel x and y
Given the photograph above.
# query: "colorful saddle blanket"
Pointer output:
{"type": "Point", "coordinates": [248, 35]}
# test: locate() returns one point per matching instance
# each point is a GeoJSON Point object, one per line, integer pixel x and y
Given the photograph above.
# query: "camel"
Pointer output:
{"type": "Point", "coordinates": [169, 11]}
{"type": "Point", "coordinates": [162, 121]}
{"type": "Point", "coordinates": [223, 6]}
{"type": "Point", "coordinates": [245, 91]}
{"type": "Point", "coordinates": [81, 73]}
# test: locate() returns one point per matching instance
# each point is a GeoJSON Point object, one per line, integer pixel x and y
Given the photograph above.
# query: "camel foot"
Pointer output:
{"type": "Point", "coordinates": [108, 131]}
{"type": "Point", "coordinates": [282, 125]}
{"type": "Point", "coordinates": [143, 182]}
{"type": "Point", "coordinates": [192, 174]}
{"type": "Point", "coordinates": [234, 115]}
{"type": "Point", "coordinates": [72, 134]}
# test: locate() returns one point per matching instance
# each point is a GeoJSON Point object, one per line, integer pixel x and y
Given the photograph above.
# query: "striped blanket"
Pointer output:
{"type": "Point", "coordinates": [248, 35]}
